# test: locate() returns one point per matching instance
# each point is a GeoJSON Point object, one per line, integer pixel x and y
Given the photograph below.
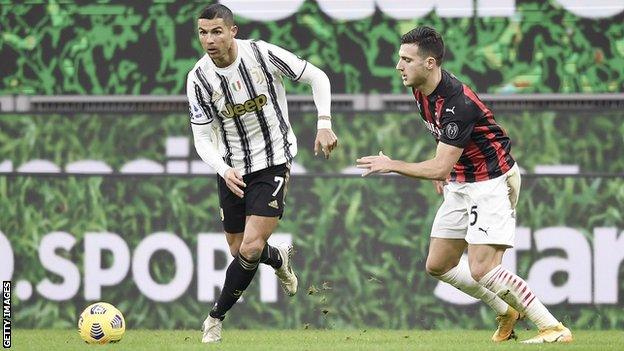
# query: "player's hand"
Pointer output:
{"type": "Point", "coordinates": [325, 141]}
{"type": "Point", "coordinates": [375, 164]}
{"type": "Point", "coordinates": [234, 182]}
{"type": "Point", "coordinates": [439, 186]}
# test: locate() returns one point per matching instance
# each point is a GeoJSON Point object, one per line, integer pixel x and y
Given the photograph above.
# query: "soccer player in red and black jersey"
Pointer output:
{"type": "Point", "coordinates": [480, 180]}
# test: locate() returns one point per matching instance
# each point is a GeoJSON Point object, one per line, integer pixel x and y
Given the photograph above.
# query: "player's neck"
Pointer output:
{"type": "Point", "coordinates": [228, 58]}
{"type": "Point", "coordinates": [432, 82]}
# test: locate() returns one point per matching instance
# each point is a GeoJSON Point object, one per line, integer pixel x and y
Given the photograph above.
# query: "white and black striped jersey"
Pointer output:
{"type": "Point", "coordinates": [245, 103]}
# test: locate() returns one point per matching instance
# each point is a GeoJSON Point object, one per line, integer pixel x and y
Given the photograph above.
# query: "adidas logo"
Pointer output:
{"type": "Point", "coordinates": [274, 204]}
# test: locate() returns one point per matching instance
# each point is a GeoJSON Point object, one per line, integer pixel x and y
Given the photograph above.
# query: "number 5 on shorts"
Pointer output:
{"type": "Point", "coordinates": [473, 211]}
{"type": "Point", "coordinates": [280, 183]}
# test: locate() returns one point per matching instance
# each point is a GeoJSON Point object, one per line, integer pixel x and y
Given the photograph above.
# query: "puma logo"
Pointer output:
{"type": "Point", "coordinates": [485, 231]}
{"type": "Point", "coordinates": [451, 110]}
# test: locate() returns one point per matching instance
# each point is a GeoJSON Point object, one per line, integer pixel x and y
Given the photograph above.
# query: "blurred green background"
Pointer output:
{"type": "Point", "coordinates": [67, 47]}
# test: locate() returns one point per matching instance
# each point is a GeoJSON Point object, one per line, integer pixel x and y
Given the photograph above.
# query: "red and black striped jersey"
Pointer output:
{"type": "Point", "coordinates": [455, 115]}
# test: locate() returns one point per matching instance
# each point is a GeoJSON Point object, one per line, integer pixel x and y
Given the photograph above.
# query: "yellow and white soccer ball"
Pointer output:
{"type": "Point", "coordinates": [101, 323]}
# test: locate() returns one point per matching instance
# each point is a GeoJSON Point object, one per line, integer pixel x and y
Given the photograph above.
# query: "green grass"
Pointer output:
{"type": "Point", "coordinates": [311, 340]}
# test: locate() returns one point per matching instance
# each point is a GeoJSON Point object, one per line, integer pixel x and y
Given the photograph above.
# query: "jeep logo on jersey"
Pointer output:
{"type": "Point", "coordinates": [250, 105]}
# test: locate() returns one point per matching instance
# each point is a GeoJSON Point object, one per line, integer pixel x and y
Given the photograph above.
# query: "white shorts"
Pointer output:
{"type": "Point", "coordinates": [480, 212]}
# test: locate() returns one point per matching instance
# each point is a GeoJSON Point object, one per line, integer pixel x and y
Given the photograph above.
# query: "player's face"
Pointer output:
{"type": "Point", "coordinates": [414, 69]}
{"type": "Point", "coordinates": [216, 37]}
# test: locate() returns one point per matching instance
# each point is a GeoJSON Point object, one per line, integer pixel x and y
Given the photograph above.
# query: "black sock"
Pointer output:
{"type": "Point", "coordinates": [271, 256]}
{"type": "Point", "coordinates": [237, 278]}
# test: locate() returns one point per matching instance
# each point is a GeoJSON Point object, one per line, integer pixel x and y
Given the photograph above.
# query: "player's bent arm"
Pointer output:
{"type": "Point", "coordinates": [437, 168]}
{"type": "Point", "coordinates": [206, 149]}
{"type": "Point", "coordinates": [321, 89]}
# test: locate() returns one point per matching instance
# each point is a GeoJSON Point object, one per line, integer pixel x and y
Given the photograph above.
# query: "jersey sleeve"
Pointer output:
{"type": "Point", "coordinates": [457, 121]}
{"type": "Point", "coordinates": [199, 107]}
{"type": "Point", "coordinates": [284, 62]}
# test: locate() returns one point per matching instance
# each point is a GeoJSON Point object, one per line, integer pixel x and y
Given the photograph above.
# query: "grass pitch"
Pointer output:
{"type": "Point", "coordinates": [386, 340]}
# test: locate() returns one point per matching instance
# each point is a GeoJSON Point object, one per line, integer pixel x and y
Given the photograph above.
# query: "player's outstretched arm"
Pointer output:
{"type": "Point", "coordinates": [326, 140]}
{"type": "Point", "coordinates": [437, 168]}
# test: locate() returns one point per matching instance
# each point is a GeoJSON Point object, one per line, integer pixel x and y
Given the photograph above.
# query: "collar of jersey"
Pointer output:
{"type": "Point", "coordinates": [441, 88]}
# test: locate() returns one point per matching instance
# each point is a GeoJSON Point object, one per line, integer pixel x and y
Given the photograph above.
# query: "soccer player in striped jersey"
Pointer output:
{"type": "Point", "coordinates": [239, 118]}
{"type": "Point", "coordinates": [482, 185]}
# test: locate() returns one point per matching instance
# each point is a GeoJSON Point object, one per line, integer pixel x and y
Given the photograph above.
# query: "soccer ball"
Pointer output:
{"type": "Point", "coordinates": [101, 323]}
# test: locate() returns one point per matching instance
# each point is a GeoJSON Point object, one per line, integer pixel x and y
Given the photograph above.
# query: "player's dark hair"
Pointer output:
{"type": "Point", "coordinates": [218, 11]}
{"type": "Point", "coordinates": [429, 42]}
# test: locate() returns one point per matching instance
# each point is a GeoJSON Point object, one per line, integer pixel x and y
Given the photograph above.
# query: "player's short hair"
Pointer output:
{"type": "Point", "coordinates": [218, 11]}
{"type": "Point", "coordinates": [429, 42]}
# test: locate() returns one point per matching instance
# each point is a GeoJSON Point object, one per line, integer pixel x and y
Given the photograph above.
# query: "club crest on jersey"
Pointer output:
{"type": "Point", "coordinates": [251, 105]}
{"type": "Point", "coordinates": [258, 75]}
{"type": "Point", "coordinates": [236, 86]}
{"type": "Point", "coordinates": [451, 130]}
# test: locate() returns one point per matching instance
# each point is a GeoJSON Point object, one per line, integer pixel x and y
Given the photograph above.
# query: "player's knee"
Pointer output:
{"type": "Point", "coordinates": [435, 268]}
{"type": "Point", "coordinates": [234, 250]}
{"type": "Point", "coordinates": [478, 271]}
{"type": "Point", "coordinates": [252, 250]}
